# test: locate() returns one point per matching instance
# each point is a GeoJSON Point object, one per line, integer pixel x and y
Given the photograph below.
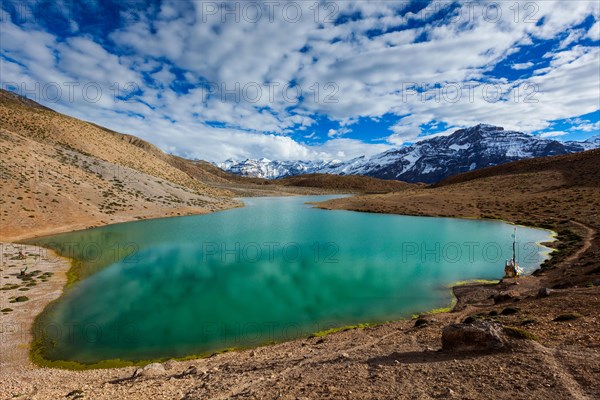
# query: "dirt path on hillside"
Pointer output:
{"type": "Point", "coordinates": [587, 242]}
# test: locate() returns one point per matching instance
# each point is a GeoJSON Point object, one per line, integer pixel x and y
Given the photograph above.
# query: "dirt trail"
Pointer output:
{"type": "Point", "coordinates": [561, 371]}
{"type": "Point", "coordinates": [587, 242]}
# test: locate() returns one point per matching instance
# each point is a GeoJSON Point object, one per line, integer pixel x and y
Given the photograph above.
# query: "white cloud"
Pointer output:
{"type": "Point", "coordinates": [333, 133]}
{"type": "Point", "coordinates": [586, 127]}
{"type": "Point", "coordinates": [594, 32]}
{"type": "Point", "coordinates": [344, 74]}
{"type": "Point", "coordinates": [522, 65]}
{"type": "Point", "coordinates": [553, 134]}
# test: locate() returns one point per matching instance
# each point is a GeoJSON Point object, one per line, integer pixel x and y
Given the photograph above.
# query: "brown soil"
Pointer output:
{"type": "Point", "coordinates": [349, 183]}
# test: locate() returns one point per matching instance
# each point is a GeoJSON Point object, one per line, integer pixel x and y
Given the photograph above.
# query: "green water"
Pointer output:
{"type": "Point", "coordinates": [274, 270]}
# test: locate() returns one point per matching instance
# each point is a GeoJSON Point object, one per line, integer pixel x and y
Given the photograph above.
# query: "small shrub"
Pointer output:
{"type": "Point", "coordinates": [509, 311]}
{"type": "Point", "coordinates": [20, 299]}
{"type": "Point", "coordinates": [568, 317]}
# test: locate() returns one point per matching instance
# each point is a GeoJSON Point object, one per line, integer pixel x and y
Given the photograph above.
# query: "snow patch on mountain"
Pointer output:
{"type": "Point", "coordinates": [426, 161]}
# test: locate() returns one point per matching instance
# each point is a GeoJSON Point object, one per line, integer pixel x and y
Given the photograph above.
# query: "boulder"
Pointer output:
{"type": "Point", "coordinates": [154, 369]}
{"type": "Point", "coordinates": [476, 336]}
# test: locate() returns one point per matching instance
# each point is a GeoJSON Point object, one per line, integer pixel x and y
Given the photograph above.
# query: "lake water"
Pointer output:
{"type": "Point", "coordinates": [274, 270]}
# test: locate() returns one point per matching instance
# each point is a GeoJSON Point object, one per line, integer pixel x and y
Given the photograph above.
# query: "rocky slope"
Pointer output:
{"type": "Point", "coordinates": [61, 173]}
{"type": "Point", "coordinates": [427, 161]}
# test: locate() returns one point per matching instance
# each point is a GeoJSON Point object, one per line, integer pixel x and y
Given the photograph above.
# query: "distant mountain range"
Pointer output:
{"type": "Point", "coordinates": [426, 161]}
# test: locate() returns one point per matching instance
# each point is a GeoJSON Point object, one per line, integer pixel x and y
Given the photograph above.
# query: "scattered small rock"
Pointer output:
{"type": "Point", "coordinates": [421, 323]}
{"type": "Point", "coordinates": [75, 394]}
{"type": "Point", "coordinates": [543, 292]}
{"type": "Point", "coordinates": [504, 297]}
{"type": "Point", "coordinates": [170, 364]}
{"type": "Point", "coordinates": [528, 322]}
{"type": "Point", "coordinates": [191, 370]}
{"type": "Point", "coordinates": [445, 393]}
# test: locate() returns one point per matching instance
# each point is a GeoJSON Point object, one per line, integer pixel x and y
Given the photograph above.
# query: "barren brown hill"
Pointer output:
{"type": "Point", "coordinates": [351, 183]}
{"type": "Point", "coordinates": [200, 170]}
{"type": "Point", "coordinates": [61, 173]}
{"type": "Point", "coordinates": [580, 169]}
{"type": "Point", "coordinates": [46, 126]}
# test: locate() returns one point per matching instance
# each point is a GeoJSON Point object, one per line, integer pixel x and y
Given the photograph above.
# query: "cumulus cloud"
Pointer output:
{"type": "Point", "coordinates": [213, 80]}
{"type": "Point", "coordinates": [520, 66]}
{"type": "Point", "coordinates": [553, 134]}
{"type": "Point", "coordinates": [594, 32]}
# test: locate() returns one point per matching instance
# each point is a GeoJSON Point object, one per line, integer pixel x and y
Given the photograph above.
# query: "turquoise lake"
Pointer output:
{"type": "Point", "coordinates": [275, 270]}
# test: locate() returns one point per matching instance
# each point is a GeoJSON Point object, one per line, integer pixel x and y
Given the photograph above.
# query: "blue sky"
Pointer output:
{"type": "Point", "coordinates": [307, 79]}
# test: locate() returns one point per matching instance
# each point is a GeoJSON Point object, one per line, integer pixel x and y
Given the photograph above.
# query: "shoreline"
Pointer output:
{"type": "Point", "coordinates": [178, 376]}
{"type": "Point", "coordinates": [44, 287]}
{"type": "Point", "coordinates": [39, 362]}
{"type": "Point", "coordinates": [82, 227]}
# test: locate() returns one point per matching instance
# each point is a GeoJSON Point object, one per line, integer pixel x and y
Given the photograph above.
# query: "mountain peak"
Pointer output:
{"type": "Point", "coordinates": [429, 160]}
{"type": "Point", "coordinates": [478, 129]}
{"type": "Point", "coordinates": [488, 127]}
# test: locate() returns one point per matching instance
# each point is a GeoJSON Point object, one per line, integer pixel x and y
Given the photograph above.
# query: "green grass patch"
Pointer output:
{"type": "Point", "coordinates": [438, 310]}
{"type": "Point", "coordinates": [476, 281]}
{"type": "Point", "coordinates": [519, 333]}
{"type": "Point", "coordinates": [74, 273]}
{"type": "Point", "coordinates": [340, 329]}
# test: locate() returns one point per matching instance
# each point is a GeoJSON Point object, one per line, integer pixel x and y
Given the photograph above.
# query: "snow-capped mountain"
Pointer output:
{"type": "Point", "coordinates": [265, 168]}
{"type": "Point", "coordinates": [426, 161]}
{"type": "Point", "coordinates": [589, 144]}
